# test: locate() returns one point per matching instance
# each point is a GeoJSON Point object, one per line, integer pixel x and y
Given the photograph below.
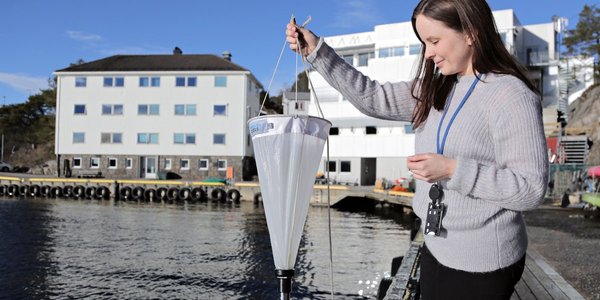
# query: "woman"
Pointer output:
{"type": "Point", "coordinates": [481, 152]}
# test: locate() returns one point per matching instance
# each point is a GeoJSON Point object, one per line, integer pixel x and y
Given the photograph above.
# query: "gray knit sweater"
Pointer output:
{"type": "Point", "coordinates": [499, 145]}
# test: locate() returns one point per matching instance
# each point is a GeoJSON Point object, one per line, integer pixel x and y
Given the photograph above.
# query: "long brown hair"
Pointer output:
{"type": "Point", "coordinates": [474, 18]}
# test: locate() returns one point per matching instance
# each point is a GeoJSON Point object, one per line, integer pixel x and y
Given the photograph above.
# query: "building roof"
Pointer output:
{"type": "Point", "coordinates": [172, 62]}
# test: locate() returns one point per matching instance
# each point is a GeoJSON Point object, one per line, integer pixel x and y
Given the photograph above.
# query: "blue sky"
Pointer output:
{"type": "Point", "coordinates": [38, 37]}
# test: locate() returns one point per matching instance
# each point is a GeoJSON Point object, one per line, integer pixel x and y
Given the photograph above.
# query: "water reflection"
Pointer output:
{"type": "Point", "coordinates": [90, 249]}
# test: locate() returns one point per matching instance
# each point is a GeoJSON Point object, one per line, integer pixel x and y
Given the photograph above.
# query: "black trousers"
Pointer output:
{"type": "Point", "coordinates": [440, 282]}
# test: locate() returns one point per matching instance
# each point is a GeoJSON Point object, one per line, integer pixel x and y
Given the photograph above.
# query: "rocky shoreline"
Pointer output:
{"type": "Point", "coordinates": [570, 243]}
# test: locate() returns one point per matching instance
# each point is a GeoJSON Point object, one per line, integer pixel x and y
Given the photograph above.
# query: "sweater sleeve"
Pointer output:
{"type": "Point", "coordinates": [518, 178]}
{"type": "Point", "coordinates": [390, 101]}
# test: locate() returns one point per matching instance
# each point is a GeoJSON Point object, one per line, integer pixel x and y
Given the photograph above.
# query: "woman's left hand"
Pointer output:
{"type": "Point", "coordinates": [431, 167]}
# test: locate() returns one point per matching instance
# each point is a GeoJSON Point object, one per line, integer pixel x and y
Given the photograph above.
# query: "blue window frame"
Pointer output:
{"type": "Point", "coordinates": [80, 81]}
{"type": "Point", "coordinates": [220, 81]}
{"type": "Point", "coordinates": [117, 109]}
{"type": "Point", "coordinates": [178, 138]}
{"type": "Point", "coordinates": [117, 138]}
{"type": "Point", "coordinates": [190, 138]}
{"type": "Point", "coordinates": [363, 58]}
{"type": "Point", "coordinates": [185, 109]}
{"type": "Point", "coordinates": [147, 138]}
{"type": "Point", "coordinates": [155, 81]}
{"type": "Point", "coordinates": [79, 109]}
{"type": "Point", "coordinates": [220, 110]}
{"type": "Point", "coordinates": [180, 81]}
{"type": "Point", "coordinates": [408, 129]}
{"type": "Point", "coordinates": [414, 49]}
{"type": "Point", "coordinates": [119, 81]}
{"type": "Point", "coordinates": [144, 82]}
{"type": "Point", "coordinates": [108, 81]}
{"type": "Point", "coordinates": [191, 81]}
{"type": "Point", "coordinates": [142, 109]}
{"type": "Point", "coordinates": [78, 137]}
{"type": "Point", "coordinates": [219, 139]}
{"type": "Point", "coordinates": [153, 109]}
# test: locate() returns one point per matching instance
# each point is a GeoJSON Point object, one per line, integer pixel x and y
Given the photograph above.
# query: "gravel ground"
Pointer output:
{"type": "Point", "coordinates": [570, 242]}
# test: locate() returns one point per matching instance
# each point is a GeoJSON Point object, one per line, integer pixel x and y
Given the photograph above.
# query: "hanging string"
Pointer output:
{"type": "Point", "coordinates": [272, 77]}
{"type": "Point", "coordinates": [320, 111]}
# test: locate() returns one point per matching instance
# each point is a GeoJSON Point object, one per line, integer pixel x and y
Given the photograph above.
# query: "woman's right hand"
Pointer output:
{"type": "Point", "coordinates": [301, 38]}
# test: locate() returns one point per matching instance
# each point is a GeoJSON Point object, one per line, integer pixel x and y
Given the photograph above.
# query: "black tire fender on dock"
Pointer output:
{"type": "Point", "coordinates": [34, 190]}
{"type": "Point", "coordinates": [234, 195]}
{"type": "Point", "coordinates": [56, 191]}
{"type": "Point", "coordinates": [67, 191]}
{"type": "Point", "coordinates": [257, 198]}
{"type": "Point", "coordinates": [198, 194]}
{"type": "Point", "coordinates": [3, 190]}
{"type": "Point", "coordinates": [13, 190]}
{"type": "Point", "coordinates": [172, 193]}
{"type": "Point", "coordinates": [161, 194]}
{"type": "Point", "coordinates": [219, 194]}
{"type": "Point", "coordinates": [184, 194]}
{"type": "Point", "coordinates": [90, 192]}
{"type": "Point", "coordinates": [103, 192]}
{"type": "Point", "coordinates": [125, 193]}
{"type": "Point", "coordinates": [24, 190]}
{"type": "Point", "coordinates": [78, 192]}
{"type": "Point", "coordinates": [45, 191]}
{"type": "Point", "coordinates": [150, 194]}
{"type": "Point", "coordinates": [137, 193]}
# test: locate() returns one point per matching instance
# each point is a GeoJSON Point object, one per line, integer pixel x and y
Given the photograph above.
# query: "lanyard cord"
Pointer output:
{"type": "Point", "coordinates": [440, 148]}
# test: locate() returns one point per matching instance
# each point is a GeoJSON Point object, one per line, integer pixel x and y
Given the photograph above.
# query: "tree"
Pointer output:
{"type": "Point", "coordinates": [585, 38]}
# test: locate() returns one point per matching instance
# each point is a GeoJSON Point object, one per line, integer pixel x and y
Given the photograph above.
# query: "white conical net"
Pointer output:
{"type": "Point", "coordinates": [287, 150]}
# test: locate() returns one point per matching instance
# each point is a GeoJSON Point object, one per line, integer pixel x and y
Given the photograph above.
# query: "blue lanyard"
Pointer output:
{"type": "Point", "coordinates": [440, 148]}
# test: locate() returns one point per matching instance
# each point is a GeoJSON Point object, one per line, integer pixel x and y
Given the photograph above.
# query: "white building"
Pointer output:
{"type": "Point", "coordinates": [135, 116]}
{"type": "Point", "coordinates": [363, 148]}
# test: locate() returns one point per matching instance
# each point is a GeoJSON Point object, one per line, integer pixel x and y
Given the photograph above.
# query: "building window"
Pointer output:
{"type": "Point", "coordinates": [220, 110]}
{"type": "Point", "coordinates": [390, 52]}
{"type": "Point", "coordinates": [203, 164]}
{"type": "Point", "coordinates": [147, 138]}
{"type": "Point", "coordinates": [111, 138]}
{"type": "Point", "coordinates": [222, 164]}
{"type": "Point", "coordinates": [371, 130]}
{"type": "Point", "coordinates": [334, 131]}
{"type": "Point", "coordinates": [345, 166]}
{"type": "Point", "coordinates": [221, 81]}
{"type": "Point", "coordinates": [78, 137]}
{"type": "Point", "coordinates": [148, 109]}
{"type": "Point", "coordinates": [114, 81]}
{"type": "Point", "coordinates": [219, 139]}
{"type": "Point", "coordinates": [168, 164]}
{"type": "Point", "coordinates": [185, 109]}
{"type": "Point", "coordinates": [80, 81]}
{"type": "Point", "coordinates": [77, 162]}
{"type": "Point", "coordinates": [185, 164]}
{"type": "Point", "coordinates": [183, 81]}
{"type": "Point", "coordinates": [349, 59]}
{"type": "Point", "coordinates": [95, 162]}
{"type": "Point", "coordinates": [129, 163]}
{"type": "Point", "coordinates": [330, 166]}
{"type": "Point", "coordinates": [79, 109]}
{"type": "Point", "coordinates": [184, 138]}
{"type": "Point", "coordinates": [408, 129]}
{"type": "Point", "coordinates": [112, 163]}
{"type": "Point", "coordinates": [112, 109]}
{"type": "Point", "coordinates": [414, 49]}
{"type": "Point", "coordinates": [363, 58]}
{"type": "Point", "coordinates": [149, 81]}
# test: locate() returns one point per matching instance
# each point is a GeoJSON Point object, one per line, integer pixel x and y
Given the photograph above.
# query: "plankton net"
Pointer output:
{"type": "Point", "coordinates": [287, 150]}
